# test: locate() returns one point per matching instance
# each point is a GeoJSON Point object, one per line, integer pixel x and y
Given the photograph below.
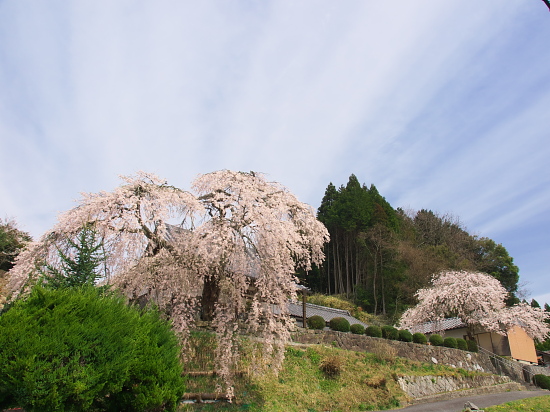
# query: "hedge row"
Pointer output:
{"type": "Point", "coordinates": [389, 332]}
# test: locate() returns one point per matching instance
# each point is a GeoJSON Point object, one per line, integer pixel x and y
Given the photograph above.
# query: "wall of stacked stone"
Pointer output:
{"type": "Point", "coordinates": [422, 386]}
{"type": "Point", "coordinates": [422, 353]}
{"type": "Point", "coordinates": [538, 370]}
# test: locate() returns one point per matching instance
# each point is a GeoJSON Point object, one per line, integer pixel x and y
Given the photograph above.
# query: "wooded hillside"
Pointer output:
{"type": "Point", "coordinates": [380, 256]}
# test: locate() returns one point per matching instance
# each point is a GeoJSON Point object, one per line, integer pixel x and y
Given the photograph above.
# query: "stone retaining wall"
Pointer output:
{"type": "Point", "coordinates": [538, 370]}
{"type": "Point", "coordinates": [424, 386]}
{"type": "Point", "coordinates": [423, 353]}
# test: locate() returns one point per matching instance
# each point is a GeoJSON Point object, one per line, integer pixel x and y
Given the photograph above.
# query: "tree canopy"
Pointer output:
{"type": "Point", "coordinates": [380, 256]}
{"type": "Point", "coordinates": [12, 241]}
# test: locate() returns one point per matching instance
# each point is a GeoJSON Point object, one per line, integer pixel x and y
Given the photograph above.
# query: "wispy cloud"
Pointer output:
{"type": "Point", "coordinates": [441, 105]}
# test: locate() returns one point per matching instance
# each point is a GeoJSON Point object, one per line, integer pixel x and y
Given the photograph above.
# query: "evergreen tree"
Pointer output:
{"type": "Point", "coordinates": [493, 259]}
{"type": "Point", "coordinates": [80, 264]}
{"type": "Point", "coordinates": [12, 241]}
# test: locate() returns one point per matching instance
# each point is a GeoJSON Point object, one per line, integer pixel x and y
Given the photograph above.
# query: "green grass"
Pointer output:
{"type": "Point", "coordinates": [537, 404]}
{"type": "Point", "coordinates": [307, 382]}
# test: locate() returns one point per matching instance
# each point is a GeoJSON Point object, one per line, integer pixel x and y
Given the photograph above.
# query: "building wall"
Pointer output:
{"type": "Point", "coordinates": [456, 333]}
{"type": "Point", "coordinates": [517, 344]}
{"type": "Point", "coordinates": [522, 346]}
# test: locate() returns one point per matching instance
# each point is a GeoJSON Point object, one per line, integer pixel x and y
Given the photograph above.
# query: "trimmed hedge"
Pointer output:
{"type": "Point", "coordinates": [436, 340]}
{"type": "Point", "coordinates": [78, 350]}
{"type": "Point", "coordinates": [316, 322]}
{"type": "Point", "coordinates": [450, 343]}
{"type": "Point", "coordinates": [472, 345]}
{"type": "Point", "coordinates": [461, 344]}
{"type": "Point", "coordinates": [339, 324]}
{"type": "Point", "coordinates": [389, 332]}
{"type": "Point", "coordinates": [405, 336]}
{"type": "Point", "coordinates": [420, 338]}
{"type": "Point", "coordinates": [373, 331]}
{"type": "Point", "coordinates": [357, 329]}
{"type": "Point", "coordinates": [542, 381]}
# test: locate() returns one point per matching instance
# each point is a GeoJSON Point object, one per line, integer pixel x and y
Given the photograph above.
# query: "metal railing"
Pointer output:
{"type": "Point", "coordinates": [506, 366]}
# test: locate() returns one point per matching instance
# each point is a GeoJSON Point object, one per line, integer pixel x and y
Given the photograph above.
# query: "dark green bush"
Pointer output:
{"type": "Point", "coordinates": [357, 329]}
{"type": "Point", "coordinates": [436, 340]}
{"type": "Point", "coordinates": [373, 331]}
{"type": "Point", "coordinates": [542, 381]}
{"type": "Point", "coordinates": [472, 345]}
{"type": "Point", "coordinates": [316, 322]}
{"type": "Point", "coordinates": [78, 350]}
{"type": "Point", "coordinates": [450, 343]}
{"type": "Point", "coordinates": [461, 344]}
{"type": "Point", "coordinates": [389, 332]}
{"type": "Point", "coordinates": [420, 338]}
{"type": "Point", "coordinates": [339, 324]}
{"type": "Point", "coordinates": [405, 336]}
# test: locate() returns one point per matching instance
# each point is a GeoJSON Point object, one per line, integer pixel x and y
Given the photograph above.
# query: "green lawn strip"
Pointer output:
{"type": "Point", "coordinates": [537, 404]}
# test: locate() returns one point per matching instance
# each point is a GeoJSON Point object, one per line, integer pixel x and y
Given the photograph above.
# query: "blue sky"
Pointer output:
{"type": "Point", "coordinates": [442, 105]}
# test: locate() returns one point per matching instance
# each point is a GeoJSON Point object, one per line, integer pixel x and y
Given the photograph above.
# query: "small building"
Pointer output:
{"type": "Point", "coordinates": [515, 344]}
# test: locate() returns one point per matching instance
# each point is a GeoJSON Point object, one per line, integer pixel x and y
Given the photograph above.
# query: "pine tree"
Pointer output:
{"type": "Point", "coordinates": [79, 264]}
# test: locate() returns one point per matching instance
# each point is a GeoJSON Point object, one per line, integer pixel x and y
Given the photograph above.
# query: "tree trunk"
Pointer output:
{"type": "Point", "coordinates": [210, 295]}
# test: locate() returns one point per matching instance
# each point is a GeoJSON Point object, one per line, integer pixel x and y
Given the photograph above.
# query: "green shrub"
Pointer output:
{"type": "Point", "coordinates": [78, 350]}
{"type": "Point", "coordinates": [420, 338]}
{"type": "Point", "coordinates": [389, 332]}
{"type": "Point", "coordinates": [472, 345]}
{"type": "Point", "coordinates": [542, 381]}
{"type": "Point", "coordinates": [436, 340]}
{"type": "Point", "coordinates": [405, 336]}
{"type": "Point", "coordinates": [373, 331]}
{"type": "Point", "coordinates": [339, 324]}
{"type": "Point", "coordinates": [450, 343]}
{"type": "Point", "coordinates": [461, 344]}
{"type": "Point", "coordinates": [357, 329]}
{"type": "Point", "coordinates": [316, 322]}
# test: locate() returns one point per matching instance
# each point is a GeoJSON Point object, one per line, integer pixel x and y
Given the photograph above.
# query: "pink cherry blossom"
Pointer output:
{"type": "Point", "coordinates": [478, 300]}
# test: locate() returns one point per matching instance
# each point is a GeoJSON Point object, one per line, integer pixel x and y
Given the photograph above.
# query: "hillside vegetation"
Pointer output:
{"type": "Point", "coordinates": [379, 255]}
{"type": "Point", "coordinates": [313, 378]}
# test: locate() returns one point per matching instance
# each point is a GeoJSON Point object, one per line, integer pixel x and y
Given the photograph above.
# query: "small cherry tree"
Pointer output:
{"type": "Point", "coordinates": [478, 300]}
{"type": "Point", "coordinates": [236, 233]}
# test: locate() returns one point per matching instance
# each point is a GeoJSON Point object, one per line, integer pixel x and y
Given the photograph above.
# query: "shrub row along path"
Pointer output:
{"type": "Point", "coordinates": [481, 401]}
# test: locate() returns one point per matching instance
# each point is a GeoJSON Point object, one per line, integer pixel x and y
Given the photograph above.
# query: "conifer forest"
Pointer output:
{"type": "Point", "coordinates": [379, 255]}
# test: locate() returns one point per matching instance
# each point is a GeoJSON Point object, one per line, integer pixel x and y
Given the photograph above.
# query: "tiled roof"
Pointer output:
{"type": "Point", "coordinates": [439, 326]}
{"type": "Point", "coordinates": [295, 309]}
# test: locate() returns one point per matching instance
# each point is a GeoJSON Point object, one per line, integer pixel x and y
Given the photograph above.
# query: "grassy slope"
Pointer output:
{"type": "Point", "coordinates": [365, 381]}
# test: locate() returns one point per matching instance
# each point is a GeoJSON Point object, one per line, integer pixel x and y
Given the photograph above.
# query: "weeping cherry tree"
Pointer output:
{"type": "Point", "coordinates": [477, 299]}
{"type": "Point", "coordinates": [229, 255]}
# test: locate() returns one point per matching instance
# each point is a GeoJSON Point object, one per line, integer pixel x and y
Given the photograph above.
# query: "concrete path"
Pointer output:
{"type": "Point", "coordinates": [481, 401]}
